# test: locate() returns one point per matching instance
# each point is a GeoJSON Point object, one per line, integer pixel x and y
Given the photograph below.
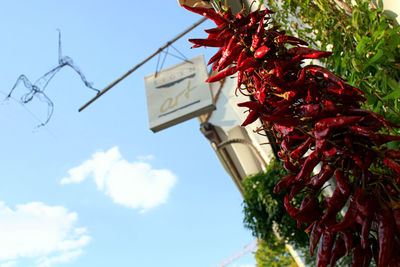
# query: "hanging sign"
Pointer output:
{"type": "Point", "coordinates": [178, 93]}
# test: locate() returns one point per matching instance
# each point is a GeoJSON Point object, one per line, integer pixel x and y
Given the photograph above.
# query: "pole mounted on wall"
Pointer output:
{"type": "Point", "coordinates": [140, 64]}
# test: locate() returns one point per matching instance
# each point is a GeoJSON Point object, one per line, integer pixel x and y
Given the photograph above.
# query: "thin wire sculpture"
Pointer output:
{"type": "Point", "coordinates": [38, 87]}
{"type": "Point", "coordinates": [166, 53]}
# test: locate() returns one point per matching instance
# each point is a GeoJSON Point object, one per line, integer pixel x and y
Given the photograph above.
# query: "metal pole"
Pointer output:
{"type": "Point", "coordinates": [140, 64]}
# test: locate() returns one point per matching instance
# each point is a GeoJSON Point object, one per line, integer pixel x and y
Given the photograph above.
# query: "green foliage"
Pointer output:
{"type": "Point", "coordinates": [364, 41]}
{"type": "Point", "coordinates": [264, 210]}
{"type": "Point", "coordinates": [273, 254]}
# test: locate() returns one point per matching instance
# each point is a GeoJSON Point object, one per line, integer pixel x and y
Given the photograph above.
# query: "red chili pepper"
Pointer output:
{"type": "Point", "coordinates": [349, 143]}
{"type": "Point", "coordinates": [254, 18]}
{"type": "Point", "coordinates": [309, 212]}
{"type": "Point", "coordinates": [240, 15]}
{"type": "Point", "coordinates": [327, 75]}
{"type": "Point", "coordinates": [209, 13]}
{"type": "Point", "coordinates": [239, 79]}
{"type": "Point", "coordinates": [248, 63]}
{"type": "Point", "coordinates": [315, 236]}
{"type": "Point", "coordinates": [305, 52]}
{"type": "Point", "coordinates": [347, 236]}
{"type": "Point", "coordinates": [378, 117]}
{"type": "Point", "coordinates": [296, 189]}
{"type": "Point", "coordinates": [325, 126]}
{"type": "Point", "coordinates": [262, 52]}
{"type": "Point", "coordinates": [289, 166]}
{"type": "Point", "coordinates": [395, 258]}
{"type": "Point", "coordinates": [289, 208]}
{"type": "Point", "coordinates": [358, 257]}
{"type": "Point", "coordinates": [308, 110]}
{"type": "Point", "coordinates": [395, 261]}
{"type": "Point", "coordinates": [243, 55]}
{"type": "Point", "coordinates": [206, 42]}
{"type": "Point", "coordinates": [396, 216]}
{"type": "Point", "coordinates": [338, 90]}
{"type": "Point", "coordinates": [215, 66]}
{"type": "Point", "coordinates": [222, 75]}
{"type": "Point", "coordinates": [393, 165]}
{"type": "Point", "coordinates": [386, 229]}
{"type": "Point", "coordinates": [260, 94]}
{"type": "Point", "coordinates": [365, 228]}
{"type": "Point", "coordinates": [282, 110]}
{"type": "Point", "coordinates": [367, 257]}
{"type": "Point", "coordinates": [275, 101]}
{"type": "Point", "coordinates": [342, 182]}
{"type": "Point", "coordinates": [385, 138]}
{"type": "Point", "coordinates": [301, 149]}
{"type": "Point", "coordinates": [280, 68]}
{"type": "Point", "coordinates": [228, 15]}
{"type": "Point", "coordinates": [225, 34]}
{"type": "Point", "coordinates": [348, 219]}
{"type": "Point", "coordinates": [282, 129]}
{"type": "Point", "coordinates": [335, 203]}
{"type": "Point", "coordinates": [258, 36]}
{"type": "Point", "coordinates": [230, 54]}
{"type": "Point", "coordinates": [284, 183]}
{"type": "Point", "coordinates": [274, 81]}
{"type": "Point", "coordinates": [362, 131]}
{"type": "Point", "coordinates": [281, 120]}
{"type": "Point", "coordinates": [285, 146]}
{"type": "Point", "coordinates": [364, 159]}
{"type": "Point", "coordinates": [366, 204]}
{"type": "Point", "coordinates": [257, 83]}
{"type": "Point", "coordinates": [322, 177]}
{"type": "Point", "coordinates": [216, 31]}
{"type": "Point", "coordinates": [392, 154]}
{"type": "Point", "coordinates": [330, 150]}
{"type": "Point", "coordinates": [254, 105]}
{"type": "Point", "coordinates": [298, 138]}
{"type": "Point", "coordinates": [285, 39]}
{"type": "Point", "coordinates": [338, 251]}
{"type": "Point", "coordinates": [311, 161]}
{"type": "Point", "coordinates": [321, 144]}
{"type": "Point", "coordinates": [324, 249]}
{"type": "Point", "coordinates": [215, 58]}
{"type": "Point", "coordinates": [252, 117]}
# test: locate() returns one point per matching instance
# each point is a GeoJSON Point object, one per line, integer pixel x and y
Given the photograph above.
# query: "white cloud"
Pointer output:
{"type": "Point", "coordinates": [39, 232]}
{"type": "Point", "coordinates": [62, 258]}
{"type": "Point", "coordinates": [8, 264]}
{"type": "Point", "coordinates": [146, 158]}
{"type": "Point", "coordinates": [131, 184]}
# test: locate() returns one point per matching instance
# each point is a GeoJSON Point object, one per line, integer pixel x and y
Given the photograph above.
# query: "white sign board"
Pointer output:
{"type": "Point", "coordinates": [178, 93]}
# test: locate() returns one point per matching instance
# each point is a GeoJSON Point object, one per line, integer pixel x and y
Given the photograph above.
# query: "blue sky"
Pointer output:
{"type": "Point", "coordinates": [98, 188]}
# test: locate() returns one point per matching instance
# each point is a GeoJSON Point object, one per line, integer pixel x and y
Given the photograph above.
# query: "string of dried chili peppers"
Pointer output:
{"type": "Point", "coordinates": [316, 118]}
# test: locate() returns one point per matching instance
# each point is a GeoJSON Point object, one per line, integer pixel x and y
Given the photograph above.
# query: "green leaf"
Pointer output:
{"type": "Point", "coordinates": [361, 45]}
{"type": "Point", "coordinates": [394, 41]}
{"type": "Point", "coordinates": [355, 17]}
{"type": "Point", "coordinates": [376, 57]}
{"type": "Point", "coordinates": [371, 99]}
{"type": "Point", "coordinates": [395, 94]}
{"type": "Point", "coordinates": [357, 36]}
{"type": "Point", "coordinates": [393, 84]}
{"type": "Point", "coordinates": [394, 145]}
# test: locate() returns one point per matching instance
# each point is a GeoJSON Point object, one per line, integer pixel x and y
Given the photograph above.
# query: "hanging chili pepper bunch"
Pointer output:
{"type": "Point", "coordinates": [317, 121]}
